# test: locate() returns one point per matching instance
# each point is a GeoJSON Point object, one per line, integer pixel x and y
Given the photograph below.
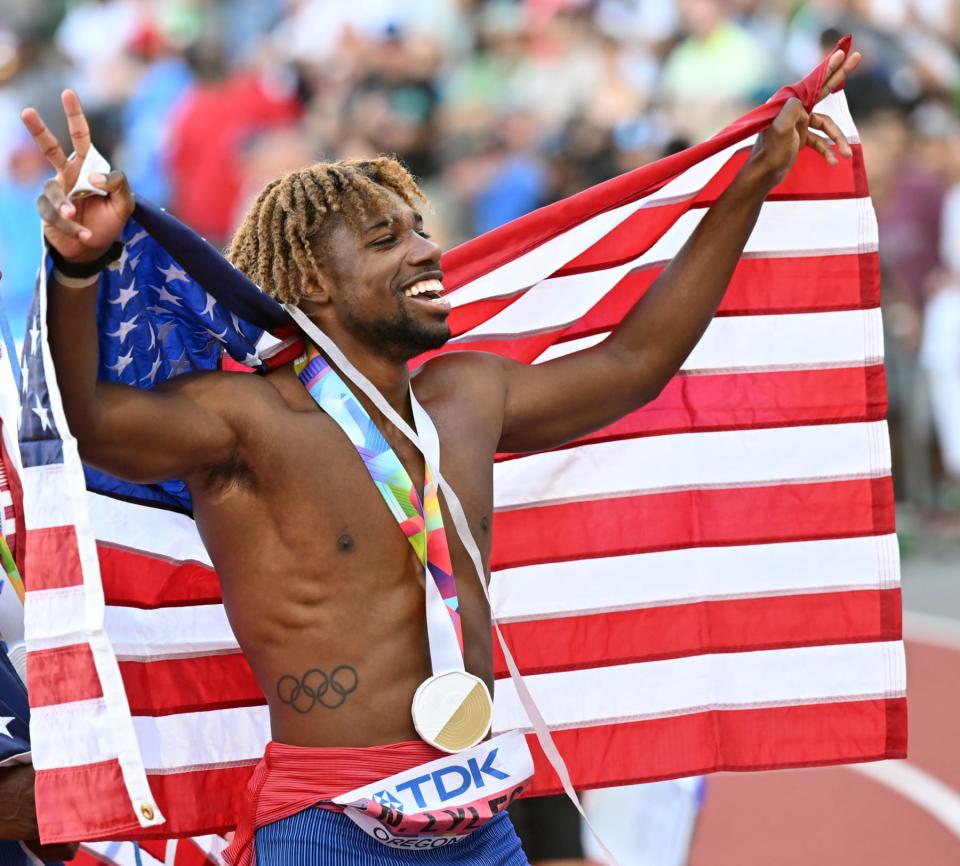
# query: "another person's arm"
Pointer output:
{"type": "Point", "coordinates": [551, 403]}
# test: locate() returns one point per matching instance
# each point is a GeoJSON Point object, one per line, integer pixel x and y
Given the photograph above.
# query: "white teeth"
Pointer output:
{"type": "Point", "coordinates": [422, 287]}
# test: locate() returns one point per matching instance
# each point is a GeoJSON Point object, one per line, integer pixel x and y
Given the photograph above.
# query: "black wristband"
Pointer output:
{"type": "Point", "coordinates": [79, 270]}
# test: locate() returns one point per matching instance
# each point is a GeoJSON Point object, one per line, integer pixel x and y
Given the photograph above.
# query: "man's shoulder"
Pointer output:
{"type": "Point", "coordinates": [462, 369]}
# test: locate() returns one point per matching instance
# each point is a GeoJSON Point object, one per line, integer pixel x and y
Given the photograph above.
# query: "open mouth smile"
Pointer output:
{"type": "Point", "coordinates": [428, 292]}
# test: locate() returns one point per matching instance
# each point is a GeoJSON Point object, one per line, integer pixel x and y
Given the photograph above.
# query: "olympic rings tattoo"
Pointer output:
{"type": "Point", "coordinates": [316, 687]}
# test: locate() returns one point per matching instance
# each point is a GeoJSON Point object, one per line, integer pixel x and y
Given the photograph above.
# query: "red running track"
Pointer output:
{"type": "Point", "coordinates": [837, 816]}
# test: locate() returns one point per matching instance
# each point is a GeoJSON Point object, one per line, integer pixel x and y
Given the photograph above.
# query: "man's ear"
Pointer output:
{"type": "Point", "coordinates": [316, 290]}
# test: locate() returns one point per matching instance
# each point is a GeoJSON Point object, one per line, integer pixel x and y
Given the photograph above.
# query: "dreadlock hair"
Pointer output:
{"type": "Point", "coordinates": [277, 242]}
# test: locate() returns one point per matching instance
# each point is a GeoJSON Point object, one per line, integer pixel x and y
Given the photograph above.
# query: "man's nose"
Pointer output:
{"type": "Point", "coordinates": [424, 251]}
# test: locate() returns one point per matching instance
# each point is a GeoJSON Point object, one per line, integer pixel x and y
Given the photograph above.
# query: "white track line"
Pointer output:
{"type": "Point", "coordinates": [933, 796]}
{"type": "Point", "coordinates": [929, 628]}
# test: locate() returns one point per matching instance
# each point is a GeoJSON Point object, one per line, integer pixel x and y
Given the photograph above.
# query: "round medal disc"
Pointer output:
{"type": "Point", "coordinates": [452, 711]}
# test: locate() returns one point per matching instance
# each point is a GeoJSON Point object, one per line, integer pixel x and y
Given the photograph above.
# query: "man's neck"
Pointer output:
{"type": "Point", "coordinates": [391, 378]}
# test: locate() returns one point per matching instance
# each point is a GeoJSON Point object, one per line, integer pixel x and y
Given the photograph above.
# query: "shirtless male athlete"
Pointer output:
{"type": "Point", "coordinates": [316, 579]}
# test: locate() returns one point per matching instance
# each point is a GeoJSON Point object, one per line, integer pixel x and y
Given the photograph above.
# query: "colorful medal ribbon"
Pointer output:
{"type": "Point", "coordinates": [420, 519]}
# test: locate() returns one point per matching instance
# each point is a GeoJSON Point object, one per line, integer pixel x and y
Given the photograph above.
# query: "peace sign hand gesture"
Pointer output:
{"type": "Point", "coordinates": [80, 230]}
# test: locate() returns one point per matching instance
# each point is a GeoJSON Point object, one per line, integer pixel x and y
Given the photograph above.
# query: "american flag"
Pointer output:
{"type": "Point", "coordinates": [710, 583]}
{"type": "Point", "coordinates": [199, 851]}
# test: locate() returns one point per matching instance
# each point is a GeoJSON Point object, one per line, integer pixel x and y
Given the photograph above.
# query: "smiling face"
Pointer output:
{"type": "Point", "coordinates": [381, 283]}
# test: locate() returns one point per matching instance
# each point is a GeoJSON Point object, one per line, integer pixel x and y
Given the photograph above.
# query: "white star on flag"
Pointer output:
{"type": "Point", "coordinates": [173, 273]}
{"type": "Point", "coordinates": [164, 295]}
{"type": "Point", "coordinates": [208, 309]}
{"type": "Point", "coordinates": [180, 365]}
{"type": "Point", "coordinates": [34, 339]}
{"type": "Point", "coordinates": [125, 328]}
{"type": "Point", "coordinates": [122, 362]}
{"type": "Point", "coordinates": [124, 296]}
{"type": "Point", "coordinates": [154, 369]}
{"type": "Point", "coordinates": [5, 725]}
{"type": "Point", "coordinates": [120, 263]}
{"type": "Point", "coordinates": [139, 236]}
{"type": "Point", "coordinates": [41, 412]}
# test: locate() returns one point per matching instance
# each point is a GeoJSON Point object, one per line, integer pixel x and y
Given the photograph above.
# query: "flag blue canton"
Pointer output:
{"type": "Point", "coordinates": [14, 711]}
{"type": "Point", "coordinates": [170, 305]}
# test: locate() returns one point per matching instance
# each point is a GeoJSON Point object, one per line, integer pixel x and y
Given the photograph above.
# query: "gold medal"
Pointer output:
{"type": "Point", "coordinates": [452, 711]}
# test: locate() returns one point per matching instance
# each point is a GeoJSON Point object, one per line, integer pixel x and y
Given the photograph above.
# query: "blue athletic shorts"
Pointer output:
{"type": "Point", "coordinates": [321, 837]}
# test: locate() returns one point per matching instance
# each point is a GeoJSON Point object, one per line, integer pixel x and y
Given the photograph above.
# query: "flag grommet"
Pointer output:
{"type": "Point", "coordinates": [147, 811]}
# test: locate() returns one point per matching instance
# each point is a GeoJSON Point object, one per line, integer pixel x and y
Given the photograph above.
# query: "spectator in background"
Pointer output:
{"type": "Point", "coordinates": [213, 121]}
{"type": "Point", "coordinates": [940, 351]}
{"type": "Point", "coordinates": [165, 77]}
{"type": "Point", "coordinates": [719, 51]}
{"type": "Point", "coordinates": [20, 241]}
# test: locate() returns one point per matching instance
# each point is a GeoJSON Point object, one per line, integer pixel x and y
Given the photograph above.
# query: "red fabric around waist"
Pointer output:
{"type": "Point", "coordinates": [289, 779]}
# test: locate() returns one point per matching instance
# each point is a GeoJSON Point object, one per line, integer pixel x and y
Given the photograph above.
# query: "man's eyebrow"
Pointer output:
{"type": "Point", "coordinates": [389, 220]}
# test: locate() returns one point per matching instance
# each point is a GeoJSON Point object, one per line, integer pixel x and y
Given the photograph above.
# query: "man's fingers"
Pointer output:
{"type": "Point", "coordinates": [76, 123]}
{"type": "Point", "coordinates": [113, 182]}
{"type": "Point", "coordinates": [54, 218]}
{"type": "Point", "coordinates": [837, 73]}
{"type": "Point", "coordinates": [826, 124]}
{"type": "Point", "coordinates": [821, 146]}
{"type": "Point", "coordinates": [789, 115]}
{"type": "Point", "coordinates": [116, 185]}
{"type": "Point", "coordinates": [57, 196]}
{"type": "Point", "coordinates": [44, 139]}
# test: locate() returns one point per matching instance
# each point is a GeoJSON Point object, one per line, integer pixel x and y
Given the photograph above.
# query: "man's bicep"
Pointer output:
{"type": "Point", "coordinates": [146, 436]}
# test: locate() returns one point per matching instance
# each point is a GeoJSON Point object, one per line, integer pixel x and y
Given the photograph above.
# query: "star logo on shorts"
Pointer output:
{"type": "Point", "coordinates": [385, 798]}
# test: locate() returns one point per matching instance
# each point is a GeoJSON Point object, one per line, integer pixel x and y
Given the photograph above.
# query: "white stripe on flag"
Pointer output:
{"type": "Point", "coordinates": [693, 575]}
{"type": "Point", "coordinates": [797, 341]}
{"type": "Point", "coordinates": [735, 458]}
{"type": "Point", "coordinates": [722, 681]}
{"type": "Point", "coordinates": [138, 634]}
{"type": "Point", "coordinates": [177, 741]}
{"type": "Point", "coordinates": [143, 528]}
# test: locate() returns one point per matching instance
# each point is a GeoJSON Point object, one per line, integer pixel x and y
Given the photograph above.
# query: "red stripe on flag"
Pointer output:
{"type": "Point", "coordinates": [760, 739]}
{"type": "Point", "coordinates": [810, 179]}
{"type": "Point", "coordinates": [759, 286]}
{"type": "Point", "coordinates": [744, 401]}
{"type": "Point", "coordinates": [135, 579]}
{"type": "Point", "coordinates": [52, 559]}
{"type": "Point", "coordinates": [61, 675]}
{"type": "Point", "coordinates": [154, 688]}
{"type": "Point", "coordinates": [195, 802]}
{"type": "Point", "coordinates": [692, 518]}
{"type": "Point", "coordinates": [155, 848]}
{"type": "Point", "coordinates": [675, 630]}
{"type": "Point", "coordinates": [165, 686]}
{"type": "Point", "coordinates": [12, 481]}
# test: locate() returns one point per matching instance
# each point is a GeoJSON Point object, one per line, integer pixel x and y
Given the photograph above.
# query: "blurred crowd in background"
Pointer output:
{"type": "Point", "coordinates": [499, 107]}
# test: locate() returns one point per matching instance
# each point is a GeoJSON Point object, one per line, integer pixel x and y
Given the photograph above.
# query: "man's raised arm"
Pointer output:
{"type": "Point", "coordinates": [139, 435]}
{"type": "Point", "coordinates": [560, 400]}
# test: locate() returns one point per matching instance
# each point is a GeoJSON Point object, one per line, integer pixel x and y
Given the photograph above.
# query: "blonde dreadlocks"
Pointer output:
{"type": "Point", "coordinates": [276, 245]}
